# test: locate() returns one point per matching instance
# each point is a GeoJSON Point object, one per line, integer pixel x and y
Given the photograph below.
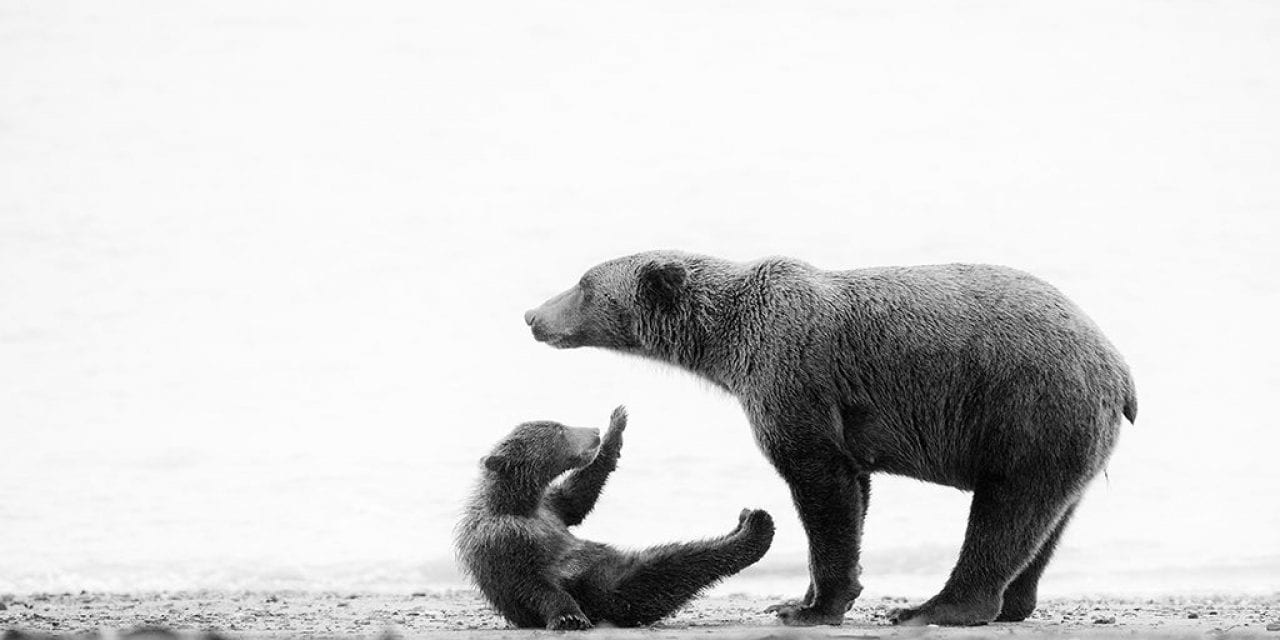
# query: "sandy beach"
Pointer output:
{"type": "Point", "coordinates": [462, 614]}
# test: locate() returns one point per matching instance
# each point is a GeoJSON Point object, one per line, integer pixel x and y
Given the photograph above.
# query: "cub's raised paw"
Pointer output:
{"type": "Point", "coordinates": [618, 420]}
{"type": "Point", "coordinates": [613, 435]}
{"type": "Point", "coordinates": [807, 617]}
{"type": "Point", "coordinates": [570, 622]}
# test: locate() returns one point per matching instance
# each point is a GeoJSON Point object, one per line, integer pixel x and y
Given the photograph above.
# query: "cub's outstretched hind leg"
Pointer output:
{"type": "Point", "coordinates": [662, 579]}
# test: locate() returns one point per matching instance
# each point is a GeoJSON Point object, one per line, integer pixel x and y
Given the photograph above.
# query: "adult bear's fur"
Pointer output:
{"type": "Point", "coordinates": [978, 377]}
{"type": "Point", "coordinates": [515, 543]}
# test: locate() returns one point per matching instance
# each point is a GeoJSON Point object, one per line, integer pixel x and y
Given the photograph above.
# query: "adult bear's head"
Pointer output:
{"type": "Point", "coordinates": [654, 303]}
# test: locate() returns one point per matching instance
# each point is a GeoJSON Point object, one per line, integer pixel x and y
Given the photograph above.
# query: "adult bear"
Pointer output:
{"type": "Point", "coordinates": [978, 377]}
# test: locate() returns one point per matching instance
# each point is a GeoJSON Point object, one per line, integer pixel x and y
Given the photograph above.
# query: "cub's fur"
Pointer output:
{"type": "Point", "coordinates": [514, 539]}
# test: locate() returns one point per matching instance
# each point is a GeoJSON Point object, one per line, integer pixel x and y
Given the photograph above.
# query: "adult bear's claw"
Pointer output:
{"type": "Point", "coordinates": [570, 622]}
{"type": "Point", "coordinates": [801, 616]}
{"type": "Point", "coordinates": [785, 605]}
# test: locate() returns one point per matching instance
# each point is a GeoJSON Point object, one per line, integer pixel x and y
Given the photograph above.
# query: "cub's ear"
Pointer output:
{"type": "Point", "coordinates": [661, 284]}
{"type": "Point", "coordinates": [496, 463]}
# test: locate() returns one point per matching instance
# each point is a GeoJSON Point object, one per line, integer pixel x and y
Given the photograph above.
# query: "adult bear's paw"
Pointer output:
{"type": "Point", "coordinates": [802, 616]}
{"type": "Point", "coordinates": [967, 614]}
{"type": "Point", "coordinates": [794, 603]}
{"type": "Point", "coordinates": [569, 622]}
{"type": "Point", "coordinates": [1018, 605]}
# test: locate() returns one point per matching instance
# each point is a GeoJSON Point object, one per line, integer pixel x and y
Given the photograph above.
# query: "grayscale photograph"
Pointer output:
{"type": "Point", "coordinates": [669, 320]}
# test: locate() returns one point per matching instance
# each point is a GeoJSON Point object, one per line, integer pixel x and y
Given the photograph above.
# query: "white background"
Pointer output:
{"type": "Point", "coordinates": [263, 264]}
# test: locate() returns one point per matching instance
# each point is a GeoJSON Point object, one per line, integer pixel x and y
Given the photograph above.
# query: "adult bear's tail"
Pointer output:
{"type": "Point", "coordinates": [1130, 403]}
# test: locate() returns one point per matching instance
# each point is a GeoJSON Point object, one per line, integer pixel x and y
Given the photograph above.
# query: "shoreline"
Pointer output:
{"type": "Point", "coordinates": [298, 614]}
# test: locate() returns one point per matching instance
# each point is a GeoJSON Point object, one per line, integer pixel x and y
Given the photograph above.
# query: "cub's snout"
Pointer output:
{"type": "Point", "coordinates": [585, 441]}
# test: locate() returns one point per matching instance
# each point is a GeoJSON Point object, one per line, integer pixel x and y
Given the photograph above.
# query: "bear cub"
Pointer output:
{"type": "Point", "coordinates": [514, 538]}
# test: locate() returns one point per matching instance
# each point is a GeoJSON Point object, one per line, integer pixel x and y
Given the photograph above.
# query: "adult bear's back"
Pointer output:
{"type": "Point", "coordinates": [975, 357]}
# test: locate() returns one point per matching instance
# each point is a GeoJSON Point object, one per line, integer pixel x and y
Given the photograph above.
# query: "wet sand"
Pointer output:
{"type": "Point", "coordinates": [463, 615]}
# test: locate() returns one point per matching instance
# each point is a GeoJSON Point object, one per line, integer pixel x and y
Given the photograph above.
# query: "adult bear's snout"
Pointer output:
{"type": "Point", "coordinates": [537, 325]}
{"type": "Point", "coordinates": [557, 321]}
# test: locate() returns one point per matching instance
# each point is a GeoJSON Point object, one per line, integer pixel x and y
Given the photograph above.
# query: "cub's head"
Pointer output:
{"type": "Point", "coordinates": [540, 451]}
{"type": "Point", "coordinates": [638, 303]}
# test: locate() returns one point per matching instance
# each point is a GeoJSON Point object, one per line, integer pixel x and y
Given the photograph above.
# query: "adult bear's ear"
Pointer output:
{"type": "Point", "coordinates": [661, 284]}
{"type": "Point", "coordinates": [496, 463]}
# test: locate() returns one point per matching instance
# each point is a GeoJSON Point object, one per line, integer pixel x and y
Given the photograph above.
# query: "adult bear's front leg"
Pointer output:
{"type": "Point", "coordinates": [864, 486]}
{"type": "Point", "coordinates": [828, 498]}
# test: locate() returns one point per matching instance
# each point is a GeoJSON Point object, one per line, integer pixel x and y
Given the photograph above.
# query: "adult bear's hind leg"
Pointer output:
{"type": "Point", "coordinates": [667, 577]}
{"type": "Point", "coordinates": [1020, 595]}
{"type": "Point", "coordinates": [1008, 523]}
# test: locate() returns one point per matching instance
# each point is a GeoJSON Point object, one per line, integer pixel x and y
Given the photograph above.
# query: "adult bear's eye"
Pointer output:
{"type": "Point", "coordinates": [586, 290]}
